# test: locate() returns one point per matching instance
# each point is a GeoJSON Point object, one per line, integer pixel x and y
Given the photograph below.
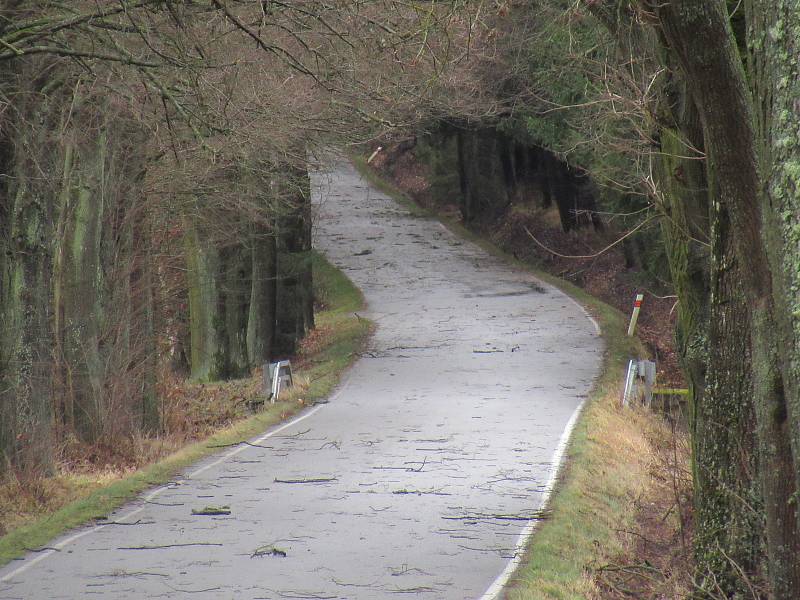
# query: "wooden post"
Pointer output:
{"type": "Point", "coordinates": [637, 306]}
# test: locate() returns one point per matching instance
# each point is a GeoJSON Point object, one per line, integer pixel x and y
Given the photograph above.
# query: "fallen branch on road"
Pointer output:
{"type": "Point", "coordinates": [538, 516]}
{"type": "Point", "coordinates": [268, 551]}
{"type": "Point", "coordinates": [309, 480]}
{"type": "Point", "coordinates": [169, 546]}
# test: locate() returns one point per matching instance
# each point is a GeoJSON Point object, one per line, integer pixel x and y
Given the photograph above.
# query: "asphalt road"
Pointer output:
{"type": "Point", "coordinates": [416, 479]}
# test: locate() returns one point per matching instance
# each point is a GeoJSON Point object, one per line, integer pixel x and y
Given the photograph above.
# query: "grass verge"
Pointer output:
{"type": "Point", "coordinates": [593, 511]}
{"type": "Point", "coordinates": [331, 349]}
{"type": "Point", "coordinates": [387, 187]}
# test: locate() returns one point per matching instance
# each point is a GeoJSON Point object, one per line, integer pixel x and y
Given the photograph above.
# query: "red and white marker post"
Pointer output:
{"type": "Point", "coordinates": [637, 306]}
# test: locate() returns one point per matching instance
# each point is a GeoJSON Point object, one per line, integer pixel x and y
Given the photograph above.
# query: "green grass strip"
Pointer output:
{"type": "Point", "coordinates": [347, 334]}
{"type": "Point", "coordinates": [388, 188]}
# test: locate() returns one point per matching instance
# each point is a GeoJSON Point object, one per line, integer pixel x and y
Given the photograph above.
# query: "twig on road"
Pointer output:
{"type": "Point", "coordinates": [268, 551]}
{"type": "Point", "coordinates": [421, 492]}
{"type": "Point", "coordinates": [243, 442]}
{"type": "Point", "coordinates": [169, 546]}
{"type": "Point", "coordinates": [538, 516]}
{"type": "Point", "coordinates": [212, 511]}
{"type": "Point", "coordinates": [308, 480]}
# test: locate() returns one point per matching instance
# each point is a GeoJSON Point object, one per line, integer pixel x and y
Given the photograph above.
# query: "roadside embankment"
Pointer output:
{"type": "Point", "coordinates": [617, 524]}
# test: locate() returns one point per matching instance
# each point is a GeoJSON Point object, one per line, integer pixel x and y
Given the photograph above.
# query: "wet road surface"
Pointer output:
{"type": "Point", "coordinates": [416, 479]}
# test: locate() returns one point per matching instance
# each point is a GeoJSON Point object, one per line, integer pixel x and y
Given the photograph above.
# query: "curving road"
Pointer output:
{"type": "Point", "coordinates": [415, 479]}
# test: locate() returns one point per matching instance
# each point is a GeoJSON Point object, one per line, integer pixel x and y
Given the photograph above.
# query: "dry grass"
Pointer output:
{"type": "Point", "coordinates": [655, 560]}
{"type": "Point", "coordinates": [24, 501]}
{"type": "Point", "coordinates": [190, 412]}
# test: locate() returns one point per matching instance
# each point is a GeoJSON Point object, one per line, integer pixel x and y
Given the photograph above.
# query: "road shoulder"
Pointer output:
{"type": "Point", "coordinates": [606, 465]}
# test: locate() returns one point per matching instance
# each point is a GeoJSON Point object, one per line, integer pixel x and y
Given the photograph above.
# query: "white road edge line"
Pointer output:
{"type": "Point", "coordinates": [499, 584]}
{"type": "Point", "coordinates": [597, 329]}
{"type": "Point", "coordinates": [73, 538]}
{"type": "Point", "coordinates": [580, 306]}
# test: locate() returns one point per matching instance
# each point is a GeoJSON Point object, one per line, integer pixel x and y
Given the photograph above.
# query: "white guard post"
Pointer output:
{"type": "Point", "coordinates": [630, 379]}
{"type": "Point", "coordinates": [640, 378]}
{"type": "Point", "coordinates": [280, 375]}
{"type": "Point", "coordinates": [637, 306]}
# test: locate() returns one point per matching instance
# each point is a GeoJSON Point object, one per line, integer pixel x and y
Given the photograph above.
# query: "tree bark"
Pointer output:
{"type": "Point", "coordinates": [699, 33]}
{"type": "Point", "coordinates": [713, 327]}
{"type": "Point", "coordinates": [25, 309]}
{"type": "Point", "coordinates": [295, 310]}
{"type": "Point", "coordinates": [261, 319]}
{"type": "Point", "coordinates": [202, 260]}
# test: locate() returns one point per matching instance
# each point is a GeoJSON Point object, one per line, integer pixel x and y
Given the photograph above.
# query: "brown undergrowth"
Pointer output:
{"type": "Point", "coordinates": [655, 558]}
{"type": "Point", "coordinates": [191, 412]}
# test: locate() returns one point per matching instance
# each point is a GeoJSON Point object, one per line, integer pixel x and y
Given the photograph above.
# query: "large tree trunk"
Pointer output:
{"type": "Point", "coordinates": [206, 345]}
{"type": "Point", "coordinates": [25, 310]}
{"type": "Point", "coordinates": [25, 381]}
{"type": "Point", "coordinates": [295, 310]}
{"type": "Point", "coordinates": [236, 271]}
{"type": "Point", "coordinates": [713, 328]}
{"type": "Point", "coordinates": [82, 292]}
{"type": "Point", "coordinates": [262, 317]}
{"type": "Point", "coordinates": [728, 538]}
{"type": "Point", "coordinates": [464, 141]}
{"type": "Point", "coordinates": [699, 33]}
{"type": "Point", "coordinates": [728, 528]}
{"type": "Point", "coordinates": [773, 26]}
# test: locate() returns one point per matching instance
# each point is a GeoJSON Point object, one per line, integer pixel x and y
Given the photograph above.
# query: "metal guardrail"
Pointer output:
{"type": "Point", "coordinates": [640, 378]}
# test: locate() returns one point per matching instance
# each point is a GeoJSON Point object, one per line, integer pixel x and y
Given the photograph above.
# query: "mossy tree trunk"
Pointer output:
{"type": "Point", "coordinates": [774, 28]}
{"type": "Point", "coordinates": [713, 313]}
{"type": "Point", "coordinates": [206, 344]}
{"type": "Point", "coordinates": [713, 332]}
{"type": "Point", "coordinates": [75, 349]}
{"type": "Point", "coordinates": [295, 305]}
{"type": "Point", "coordinates": [700, 35]}
{"type": "Point", "coordinates": [234, 308]}
{"type": "Point", "coordinates": [25, 309]}
{"type": "Point", "coordinates": [465, 151]}
{"type": "Point", "coordinates": [250, 287]}
{"type": "Point", "coordinates": [7, 418]}
{"type": "Point", "coordinates": [263, 295]}
{"type": "Point", "coordinates": [139, 338]}
{"type": "Point", "coordinates": [103, 285]}
{"type": "Point", "coordinates": [83, 288]}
